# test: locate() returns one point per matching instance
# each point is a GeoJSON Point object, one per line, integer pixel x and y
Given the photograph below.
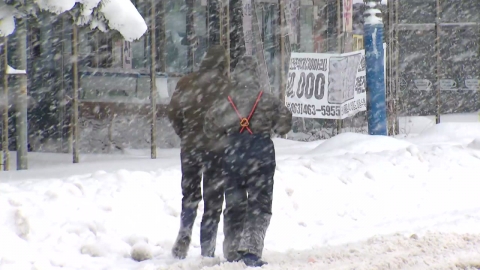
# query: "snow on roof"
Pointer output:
{"type": "Point", "coordinates": [7, 22]}
{"type": "Point", "coordinates": [13, 71]}
{"type": "Point", "coordinates": [121, 18]}
{"type": "Point", "coordinates": [120, 15]}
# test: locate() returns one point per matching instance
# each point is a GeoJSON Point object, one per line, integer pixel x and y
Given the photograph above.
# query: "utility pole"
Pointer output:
{"type": "Point", "coordinates": [374, 57]}
{"type": "Point", "coordinates": [21, 106]}
{"type": "Point", "coordinates": [3, 72]}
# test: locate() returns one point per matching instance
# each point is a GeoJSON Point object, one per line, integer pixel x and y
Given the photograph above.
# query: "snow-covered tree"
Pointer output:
{"type": "Point", "coordinates": [118, 15]}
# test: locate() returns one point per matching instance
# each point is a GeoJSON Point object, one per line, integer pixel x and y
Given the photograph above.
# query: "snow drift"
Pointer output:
{"type": "Point", "coordinates": [353, 201]}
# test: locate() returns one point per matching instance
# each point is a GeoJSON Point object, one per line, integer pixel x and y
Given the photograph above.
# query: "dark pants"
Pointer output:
{"type": "Point", "coordinates": [249, 168]}
{"type": "Point", "coordinates": [194, 163]}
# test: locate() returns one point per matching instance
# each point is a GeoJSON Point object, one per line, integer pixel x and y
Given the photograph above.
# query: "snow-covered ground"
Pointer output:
{"type": "Point", "coordinates": [351, 202]}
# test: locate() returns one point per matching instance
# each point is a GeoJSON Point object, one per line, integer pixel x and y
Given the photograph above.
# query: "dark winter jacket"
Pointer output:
{"type": "Point", "coordinates": [194, 95]}
{"type": "Point", "coordinates": [271, 115]}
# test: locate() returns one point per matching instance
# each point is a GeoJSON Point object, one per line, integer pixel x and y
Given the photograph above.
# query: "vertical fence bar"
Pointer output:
{"type": "Point", "coordinates": [75, 125]}
{"type": "Point", "coordinates": [21, 106]}
{"type": "Point", "coordinates": [340, 39]}
{"type": "Point", "coordinates": [259, 50]}
{"type": "Point", "coordinates": [190, 35]}
{"type": "Point", "coordinates": [395, 70]}
{"type": "Point", "coordinates": [439, 62]}
{"type": "Point", "coordinates": [238, 39]}
{"type": "Point", "coordinates": [161, 37]}
{"type": "Point", "coordinates": [281, 24]}
{"type": "Point", "coordinates": [213, 19]}
{"type": "Point", "coordinates": [396, 64]}
{"type": "Point", "coordinates": [388, 74]}
{"type": "Point", "coordinates": [391, 82]}
{"type": "Point", "coordinates": [153, 87]}
{"type": "Point", "coordinates": [225, 31]}
{"type": "Point", "coordinates": [227, 37]}
{"type": "Point", "coordinates": [4, 65]}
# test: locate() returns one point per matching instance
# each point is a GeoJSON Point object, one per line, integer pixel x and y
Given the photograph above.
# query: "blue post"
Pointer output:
{"type": "Point", "coordinates": [374, 57]}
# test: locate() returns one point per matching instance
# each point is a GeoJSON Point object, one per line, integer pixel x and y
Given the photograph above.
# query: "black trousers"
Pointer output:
{"type": "Point", "coordinates": [196, 163]}
{"type": "Point", "coordinates": [249, 166]}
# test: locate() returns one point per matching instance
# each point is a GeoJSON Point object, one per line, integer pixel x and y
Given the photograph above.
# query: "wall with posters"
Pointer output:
{"type": "Point", "coordinates": [455, 78]}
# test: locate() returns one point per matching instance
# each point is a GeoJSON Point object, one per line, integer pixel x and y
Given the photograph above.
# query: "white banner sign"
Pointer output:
{"type": "Point", "coordinates": [326, 86]}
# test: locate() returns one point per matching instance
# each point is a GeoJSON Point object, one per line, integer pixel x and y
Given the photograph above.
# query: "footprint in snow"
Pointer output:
{"type": "Point", "coordinates": [369, 175]}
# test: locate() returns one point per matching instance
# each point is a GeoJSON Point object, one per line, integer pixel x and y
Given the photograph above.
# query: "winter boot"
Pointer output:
{"type": "Point", "coordinates": [181, 246]}
{"type": "Point", "coordinates": [252, 260]}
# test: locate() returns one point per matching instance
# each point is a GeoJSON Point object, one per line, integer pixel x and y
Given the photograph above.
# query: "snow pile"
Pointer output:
{"type": "Point", "coordinates": [120, 15]}
{"type": "Point", "coordinates": [358, 143]}
{"type": "Point", "coordinates": [456, 133]}
{"type": "Point", "coordinates": [414, 125]}
{"type": "Point", "coordinates": [353, 201]}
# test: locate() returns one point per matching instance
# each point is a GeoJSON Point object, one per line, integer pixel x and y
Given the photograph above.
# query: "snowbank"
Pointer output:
{"type": "Point", "coordinates": [450, 132]}
{"type": "Point", "coordinates": [372, 203]}
{"type": "Point", "coordinates": [359, 144]}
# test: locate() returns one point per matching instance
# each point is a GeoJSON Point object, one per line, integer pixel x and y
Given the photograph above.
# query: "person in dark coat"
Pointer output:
{"type": "Point", "coordinates": [194, 95]}
{"type": "Point", "coordinates": [249, 160]}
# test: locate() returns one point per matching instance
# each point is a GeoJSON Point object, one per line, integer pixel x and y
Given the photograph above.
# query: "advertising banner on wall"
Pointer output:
{"type": "Point", "coordinates": [326, 86]}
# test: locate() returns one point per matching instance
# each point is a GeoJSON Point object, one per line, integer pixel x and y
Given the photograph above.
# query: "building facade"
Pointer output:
{"type": "Point", "coordinates": [115, 76]}
{"type": "Point", "coordinates": [432, 62]}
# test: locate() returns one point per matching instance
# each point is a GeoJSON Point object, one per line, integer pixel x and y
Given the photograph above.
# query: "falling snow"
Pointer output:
{"type": "Point", "coordinates": [342, 199]}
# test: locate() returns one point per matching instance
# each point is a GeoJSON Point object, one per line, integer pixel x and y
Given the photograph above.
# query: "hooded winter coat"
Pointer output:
{"type": "Point", "coordinates": [194, 95]}
{"type": "Point", "coordinates": [248, 161]}
{"type": "Point", "coordinates": [270, 115]}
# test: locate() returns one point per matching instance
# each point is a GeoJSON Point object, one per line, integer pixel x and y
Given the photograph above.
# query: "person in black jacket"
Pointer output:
{"type": "Point", "coordinates": [193, 96]}
{"type": "Point", "coordinates": [243, 124]}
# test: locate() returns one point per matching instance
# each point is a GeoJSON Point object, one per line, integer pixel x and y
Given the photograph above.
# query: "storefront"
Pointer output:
{"type": "Point", "coordinates": [115, 74]}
